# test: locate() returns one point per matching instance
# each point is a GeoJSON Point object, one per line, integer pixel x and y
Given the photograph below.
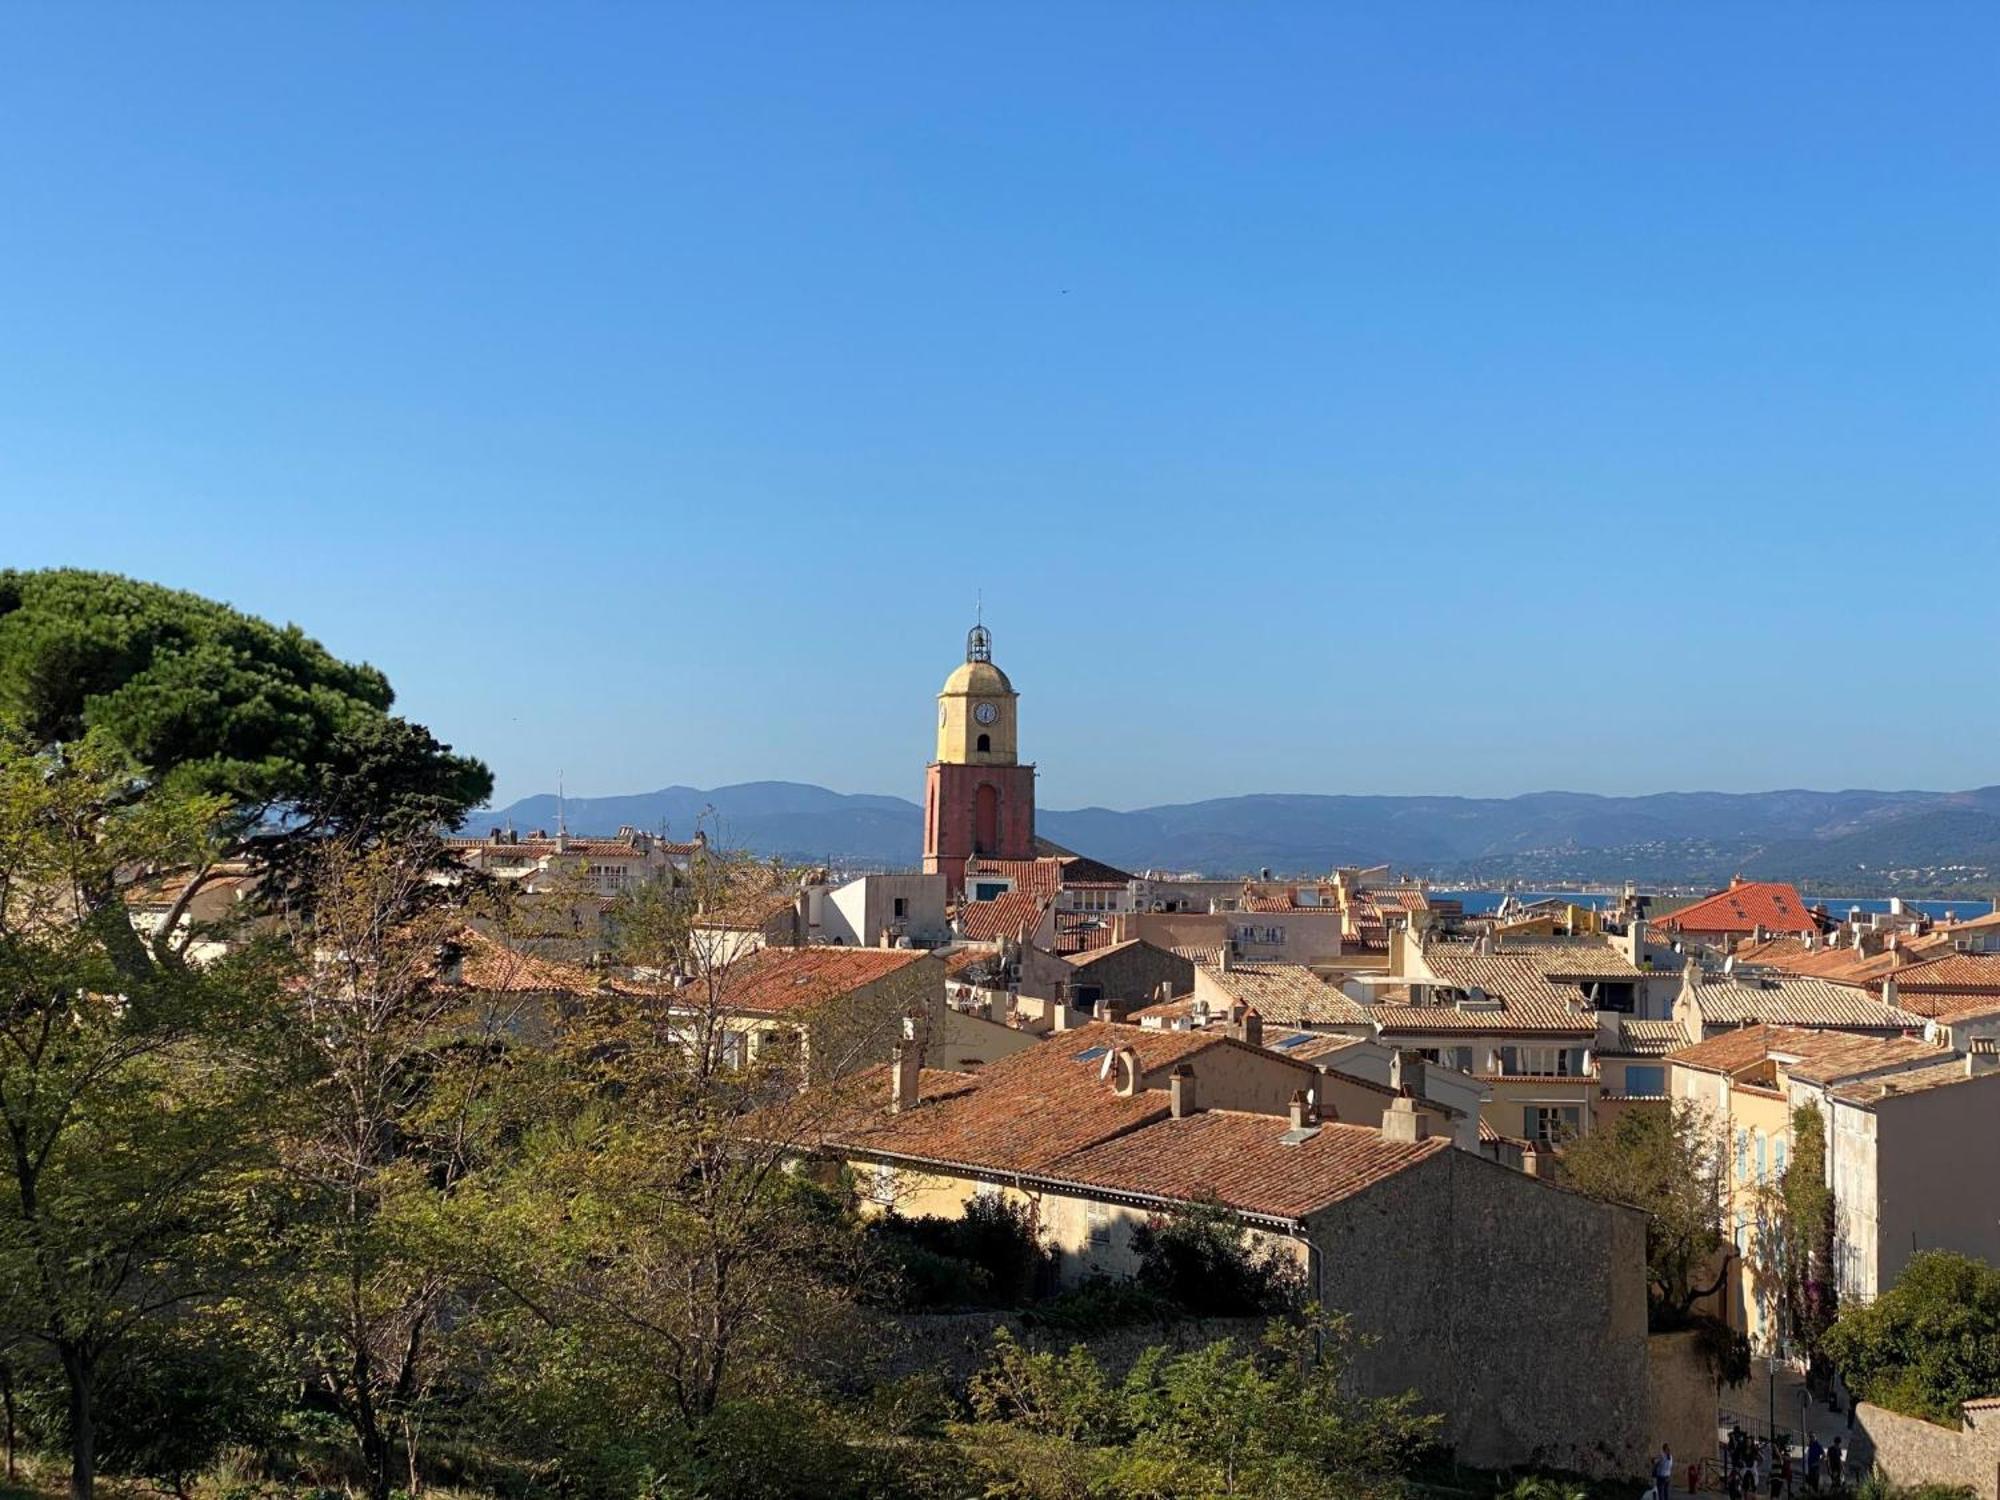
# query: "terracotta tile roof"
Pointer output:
{"type": "Point", "coordinates": [1815, 1055]}
{"type": "Point", "coordinates": [1288, 995]}
{"type": "Point", "coordinates": [1080, 869]}
{"type": "Point", "coordinates": [1023, 1112]}
{"type": "Point", "coordinates": [1649, 1038]}
{"type": "Point", "coordinates": [1403, 898]}
{"type": "Point", "coordinates": [1794, 1001]}
{"type": "Point", "coordinates": [961, 959]}
{"type": "Point", "coordinates": [1841, 1056]}
{"type": "Point", "coordinates": [1042, 876]}
{"type": "Point", "coordinates": [1950, 1005]}
{"type": "Point", "coordinates": [1846, 965]}
{"type": "Point", "coordinates": [1004, 917]}
{"type": "Point", "coordinates": [1871, 1091]}
{"type": "Point", "coordinates": [1050, 873]}
{"type": "Point", "coordinates": [1309, 1046]}
{"type": "Point", "coordinates": [489, 965]}
{"type": "Point", "coordinates": [1199, 955]}
{"type": "Point", "coordinates": [1962, 972]}
{"type": "Point", "coordinates": [1745, 906]}
{"type": "Point", "coordinates": [1526, 988]}
{"type": "Point", "coordinates": [1241, 1160]}
{"type": "Point", "coordinates": [775, 981]}
{"type": "Point", "coordinates": [1081, 932]}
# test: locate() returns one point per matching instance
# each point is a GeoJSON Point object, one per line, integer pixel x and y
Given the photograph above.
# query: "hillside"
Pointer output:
{"type": "Point", "coordinates": [1846, 839]}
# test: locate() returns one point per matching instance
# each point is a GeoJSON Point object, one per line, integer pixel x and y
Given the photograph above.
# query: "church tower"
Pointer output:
{"type": "Point", "coordinates": [978, 799]}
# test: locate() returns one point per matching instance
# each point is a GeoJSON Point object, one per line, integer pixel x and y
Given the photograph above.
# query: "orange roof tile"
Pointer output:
{"type": "Point", "coordinates": [1241, 1160]}
{"type": "Point", "coordinates": [1743, 907]}
{"type": "Point", "coordinates": [775, 981]}
{"type": "Point", "coordinates": [1007, 917]}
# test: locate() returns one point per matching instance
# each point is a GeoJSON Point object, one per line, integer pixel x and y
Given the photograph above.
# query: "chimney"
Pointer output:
{"type": "Point", "coordinates": [1246, 1025]}
{"type": "Point", "coordinates": [1406, 1073]}
{"type": "Point", "coordinates": [1228, 959]}
{"type": "Point", "coordinates": [1403, 1121]}
{"type": "Point", "coordinates": [1891, 995]}
{"type": "Point", "coordinates": [906, 1061]}
{"type": "Point", "coordinates": [1180, 1090]}
{"type": "Point", "coordinates": [1125, 1069]}
{"type": "Point", "coordinates": [1982, 1056]}
{"type": "Point", "coordinates": [1301, 1110]}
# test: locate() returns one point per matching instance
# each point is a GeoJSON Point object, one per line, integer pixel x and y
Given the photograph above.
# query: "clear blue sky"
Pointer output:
{"type": "Point", "coordinates": [1451, 398]}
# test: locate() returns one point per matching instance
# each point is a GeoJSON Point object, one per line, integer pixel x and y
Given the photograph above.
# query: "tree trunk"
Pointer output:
{"type": "Point", "coordinates": [80, 1368]}
{"type": "Point", "coordinates": [7, 1400]}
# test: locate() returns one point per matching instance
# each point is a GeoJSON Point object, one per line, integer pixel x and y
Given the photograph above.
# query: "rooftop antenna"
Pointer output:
{"type": "Point", "coordinates": [561, 829]}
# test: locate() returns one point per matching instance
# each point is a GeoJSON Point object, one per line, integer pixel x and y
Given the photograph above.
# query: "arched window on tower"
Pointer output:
{"type": "Point", "coordinates": [985, 742]}
{"type": "Point", "coordinates": [986, 819]}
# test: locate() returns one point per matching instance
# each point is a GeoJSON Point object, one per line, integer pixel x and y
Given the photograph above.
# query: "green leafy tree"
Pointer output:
{"type": "Point", "coordinates": [1928, 1344]}
{"type": "Point", "coordinates": [283, 741]}
{"type": "Point", "coordinates": [127, 1107]}
{"type": "Point", "coordinates": [1217, 1421]}
{"type": "Point", "coordinates": [661, 1251]}
{"type": "Point", "coordinates": [1806, 1232]}
{"type": "Point", "coordinates": [396, 1100]}
{"type": "Point", "coordinates": [1670, 1163]}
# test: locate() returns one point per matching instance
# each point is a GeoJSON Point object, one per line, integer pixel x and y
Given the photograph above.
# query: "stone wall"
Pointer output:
{"type": "Point", "coordinates": [1909, 1451]}
{"type": "Point", "coordinates": [1515, 1309]}
{"type": "Point", "coordinates": [1681, 1398]}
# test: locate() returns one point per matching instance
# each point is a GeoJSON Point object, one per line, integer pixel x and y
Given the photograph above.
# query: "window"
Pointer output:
{"type": "Point", "coordinates": [880, 1184]}
{"type": "Point", "coordinates": [1763, 1160]}
{"type": "Point", "coordinates": [902, 907]}
{"type": "Point", "coordinates": [1778, 1153]}
{"type": "Point", "coordinates": [1551, 1124]}
{"type": "Point", "coordinates": [1646, 1082]}
{"type": "Point", "coordinates": [1742, 1156]}
{"type": "Point", "coordinates": [990, 890]}
{"type": "Point", "coordinates": [985, 742]}
{"type": "Point", "coordinates": [1097, 1220]}
{"type": "Point", "coordinates": [1617, 997]}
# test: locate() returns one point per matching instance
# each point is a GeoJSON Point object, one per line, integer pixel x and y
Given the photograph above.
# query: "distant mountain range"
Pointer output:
{"type": "Point", "coordinates": [1851, 842]}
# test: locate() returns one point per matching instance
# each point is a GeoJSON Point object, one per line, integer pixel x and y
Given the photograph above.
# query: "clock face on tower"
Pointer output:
{"type": "Point", "coordinates": [986, 713]}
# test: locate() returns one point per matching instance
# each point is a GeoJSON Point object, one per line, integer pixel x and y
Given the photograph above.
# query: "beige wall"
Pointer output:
{"type": "Point", "coordinates": [1937, 1173]}
{"type": "Point", "coordinates": [1242, 1078]}
{"type": "Point", "coordinates": [1912, 1452]}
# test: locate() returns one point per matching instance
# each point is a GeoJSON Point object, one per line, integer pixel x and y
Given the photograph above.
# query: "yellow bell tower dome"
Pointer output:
{"type": "Point", "coordinates": [977, 710]}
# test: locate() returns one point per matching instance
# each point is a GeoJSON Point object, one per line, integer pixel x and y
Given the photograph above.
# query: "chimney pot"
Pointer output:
{"type": "Point", "coordinates": [1301, 1110]}
{"type": "Point", "coordinates": [1126, 1071]}
{"type": "Point", "coordinates": [906, 1062]}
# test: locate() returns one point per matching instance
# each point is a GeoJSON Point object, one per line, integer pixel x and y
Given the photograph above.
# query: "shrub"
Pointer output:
{"type": "Point", "coordinates": [1929, 1344]}
{"type": "Point", "coordinates": [989, 1257]}
{"type": "Point", "coordinates": [1197, 1260]}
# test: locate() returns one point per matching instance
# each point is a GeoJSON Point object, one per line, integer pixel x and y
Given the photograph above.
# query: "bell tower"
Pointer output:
{"type": "Point", "coordinates": [979, 800]}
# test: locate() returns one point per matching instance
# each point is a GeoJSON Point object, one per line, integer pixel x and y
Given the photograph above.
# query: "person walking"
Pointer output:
{"type": "Point", "coordinates": [1815, 1456]}
{"type": "Point", "coordinates": [1663, 1474]}
{"type": "Point", "coordinates": [1835, 1462]}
